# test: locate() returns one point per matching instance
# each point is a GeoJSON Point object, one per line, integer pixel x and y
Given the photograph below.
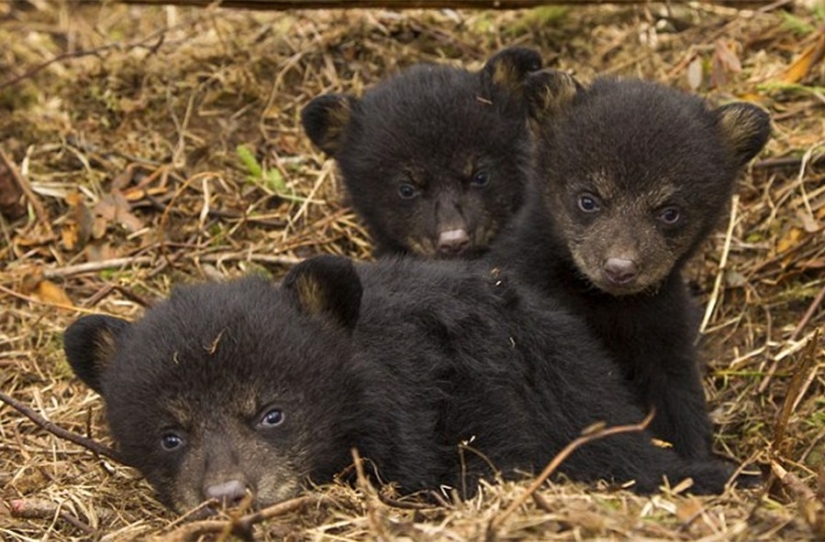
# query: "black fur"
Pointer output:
{"type": "Point", "coordinates": [441, 355]}
{"type": "Point", "coordinates": [631, 178]}
{"type": "Point", "coordinates": [432, 158]}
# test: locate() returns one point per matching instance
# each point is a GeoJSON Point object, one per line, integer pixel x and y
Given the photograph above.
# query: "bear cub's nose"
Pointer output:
{"type": "Point", "coordinates": [229, 493]}
{"type": "Point", "coordinates": [620, 270]}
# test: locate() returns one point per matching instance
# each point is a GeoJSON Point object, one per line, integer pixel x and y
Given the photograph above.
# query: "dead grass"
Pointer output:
{"type": "Point", "coordinates": [124, 123]}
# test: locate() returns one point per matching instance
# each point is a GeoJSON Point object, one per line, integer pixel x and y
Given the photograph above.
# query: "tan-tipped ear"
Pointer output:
{"type": "Point", "coordinates": [326, 287]}
{"type": "Point", "coordinates": [90, 344]}
{"type": "Point", "coordinates": [745, 129]}
{"type": "Point", "coordinates": [509, 68]}
{"type": "Point", "coordinates": [325, 118]}
{"type": "Point", "coordinates": [549, 92]}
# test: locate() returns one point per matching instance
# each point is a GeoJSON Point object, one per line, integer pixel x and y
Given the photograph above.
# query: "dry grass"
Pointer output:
{"type": "Point", "coordinates": [124, 122]}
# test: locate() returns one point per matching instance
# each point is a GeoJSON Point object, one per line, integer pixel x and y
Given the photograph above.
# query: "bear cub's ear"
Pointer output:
{"type": "Point", "coordinates": [90, 344]}
{"type": "Point", "coordinates": [325, 118]}
{"type": "Point", "coordinates": [509, 68]}
{"type": "Point", "coordinates": [745, 129]}
{"type": "Point", "coordinates": [326, 287]}
{"type": "Point", "coordinates": [549, 92]}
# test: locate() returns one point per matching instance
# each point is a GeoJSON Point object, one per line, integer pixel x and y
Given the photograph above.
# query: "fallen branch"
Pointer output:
{"type": "Point", "coordinates": [564, 454]}
{"type": "Point", "coordinates": [59, 432]}
{"type": "Point", "coordinates": [811, 508]}
{"type": "Point", "coordinates": [43, 509]}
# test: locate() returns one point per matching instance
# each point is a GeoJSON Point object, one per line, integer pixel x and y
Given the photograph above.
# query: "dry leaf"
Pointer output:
{"type": "Point", "coordinates": [802, 65]}
{"type": "Point", "coordinates": [50, 292]}
{"type": "Point", "coordinates": [694, 73]}
{"type": "Point", "coordinates": [688, 509]}
{"type": "Point", "coordinates": [789, 241]}
{"type": "Point", "coordinates": [114, 208]}
{"type": "Point", "coordinates": [725, 61]}
{"type": "Point", "coordinates": [77, 231]}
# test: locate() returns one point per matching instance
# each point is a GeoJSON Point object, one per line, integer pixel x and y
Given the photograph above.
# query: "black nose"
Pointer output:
{"type": "Point", "coordinates": [229, 493]}
{"type": "Point", "coordinates": [453, 241]}
{"type": "Point", "coordinates": [620, 270]}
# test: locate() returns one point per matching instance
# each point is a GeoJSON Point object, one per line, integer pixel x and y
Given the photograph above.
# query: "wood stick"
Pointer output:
{"type": "Point", "coordinates": [564, 454]}
{"type": "Point", "coordinates": [59, 432]}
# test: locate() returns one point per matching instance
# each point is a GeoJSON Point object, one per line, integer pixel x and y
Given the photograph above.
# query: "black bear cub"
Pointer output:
{"type": "Point", "coordinates": [433, 373]}
{"type": "Point", "coordinates": [631, 177]}
{"type": "Point", "coordinates": [432, 159]}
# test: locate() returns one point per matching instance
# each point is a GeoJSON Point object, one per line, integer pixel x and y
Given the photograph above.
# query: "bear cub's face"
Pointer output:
{"type": "Point", "coordinates": [635, 175]}
{"type": "Point", "coordinates": [433, 159]}
{"type": "Point", "coordinates": [225, 392]}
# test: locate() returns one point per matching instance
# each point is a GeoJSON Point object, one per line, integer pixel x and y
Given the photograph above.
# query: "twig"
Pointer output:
{"type": "Point", "coordinates": [811, 508]}
{"type": "Point", "coordinates": [788, 161]}
{"type": "Point", "coordinates": [243, 524]}
{"type": "Point", "coordinates": [31, 197]}
{"type": "Point", "coordinates": [90, 267]}
{"type": "Point", "coordinates": [59, 432]}
{"type": "Point", "coordinates": [723, 263]}
{"type": "Point", "coordinates": [389, 501]}
{"type": "Point", "coordinates": [43, 509]}
{"type": "Point", "coordinates": [369, 494]}
{"type": "Point", "coordinates": [808, 314]}
{"type": "Point", "coordinates": [47, 303]}
{"type": "Point", "coordinates": [796, 389]}
{"type": "Point", "coordinates": [564, 454]}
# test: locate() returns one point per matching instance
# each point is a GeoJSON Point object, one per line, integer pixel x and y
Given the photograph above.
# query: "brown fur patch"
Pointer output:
{"type": "Point", "coordinates": [507, 75]}
{"type": "Point", "coordinates": [311, 295]}
{"type": "Point", "coordinates": [104, 349]}
{"type": "Point", "coordinates": [337, 120]}
{"type": "Point", "coordinates": [739, 127]}
{"type": "Point", "coordinates": [551, 92]}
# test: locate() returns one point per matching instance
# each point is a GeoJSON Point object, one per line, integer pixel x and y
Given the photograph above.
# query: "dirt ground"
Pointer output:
{"type": "Point", "coordinates": [155, 146]}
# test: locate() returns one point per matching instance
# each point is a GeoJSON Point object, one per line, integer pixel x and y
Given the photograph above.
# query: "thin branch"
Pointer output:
{"type": "Point", "coordinates": [59, 432]}
{"type": "Point", "coordinates": [31, 197]}
{"type": "Point", "coordinates": [808, 314]}
{"type": "Point", "coordinates": [89, 267]}
{"type": "Point", "coordinates": [242, 525]}
{"type": "Point", "coordinates": [564, 454]}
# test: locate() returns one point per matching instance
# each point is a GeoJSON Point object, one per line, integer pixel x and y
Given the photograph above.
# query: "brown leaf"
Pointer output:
{"type": "Point", "coordinates": [789, 240]}
{"type": "Point", "coordinates": [98, 252]}
{"type": "Point", "coordinates": [725, 61]}
{"type": "Point", "coordinates": [50, 292]}
{"type": "Point", "coordinates": [802, 64]}
{"type": "Point", "coordinates": [77, 230]}
{"type": "Point", "coordinates": [114, 208]}
{"type": "Point", "coordinates": [688, 509]}
{"type": "Point", "coordinates": [694, 73]}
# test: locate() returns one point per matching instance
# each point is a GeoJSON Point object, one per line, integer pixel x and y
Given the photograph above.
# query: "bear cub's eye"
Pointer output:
{"type": "Point", "coordinates": [670, 215]}
{"type": "Point", "coordinates": [171, 441]}
{"type": "Point", "coordinates": [480, 178]}
{"type": "Point", "coordinates": [272, 417]}
{"type": "Point", "coordinates": [589, 203]}
{"type": "Point", "coordinates": [407, 191]}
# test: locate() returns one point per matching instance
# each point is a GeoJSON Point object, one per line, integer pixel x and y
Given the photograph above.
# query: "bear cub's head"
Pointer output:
{"type": "Point", "coordinates": [434, 158]}
{"type": "Point", "coordinates": [635, 174]}
{"type": "Point", "coordinates": [233, 392]}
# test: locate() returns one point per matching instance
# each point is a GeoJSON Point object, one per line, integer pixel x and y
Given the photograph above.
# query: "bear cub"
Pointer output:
{"type": "Point", "coordinates": [432, 159]}
{"type": "Point", "coordinates": [435, 374]}
{"type": "Point", "coordinates": [631, 178]}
